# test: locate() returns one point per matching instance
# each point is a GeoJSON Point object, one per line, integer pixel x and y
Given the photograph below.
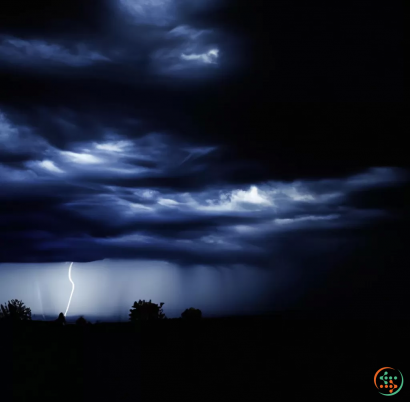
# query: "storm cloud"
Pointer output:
{"type": "Point", "coordinates": [160, 130]}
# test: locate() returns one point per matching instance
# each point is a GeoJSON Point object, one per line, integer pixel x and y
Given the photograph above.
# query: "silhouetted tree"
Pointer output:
{"type": "Point", "coordinates": [192, 314]}
{"type": "Point", "coordinates": [60, 320]}
{"type": "Point", "coordinates": [81, 321]}
{"type": "Point", "coordinates": [15, 310]}
{"type": "Point", "coordinates": [144, 310]}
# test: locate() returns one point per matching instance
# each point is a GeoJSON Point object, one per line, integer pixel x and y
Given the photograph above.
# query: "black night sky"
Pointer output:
{"type": "Point", "coordinates": [241, 157]}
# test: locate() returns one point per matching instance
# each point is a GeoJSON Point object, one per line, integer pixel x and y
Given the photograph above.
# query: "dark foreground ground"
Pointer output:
{"type": "Point", "coordinates": [253, 359]}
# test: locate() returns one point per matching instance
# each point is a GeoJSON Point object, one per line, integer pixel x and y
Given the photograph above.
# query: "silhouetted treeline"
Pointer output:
{"type": "Point", "coordinates": [15, 310]}
{"type": "Point", "coordinates": [252, 358]}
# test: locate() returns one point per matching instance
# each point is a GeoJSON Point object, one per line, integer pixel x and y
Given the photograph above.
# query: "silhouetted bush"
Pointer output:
{"type": "Point", "coordinates": [81, 321]}
{"type": "Point", "coordinates": [192, 314]}
{"type": "Point", "coordinates": [146, 311]}
{"type": "Point", "coordinates": [15, 310]}
{"type": "Point", "coordinates": [60, 320]}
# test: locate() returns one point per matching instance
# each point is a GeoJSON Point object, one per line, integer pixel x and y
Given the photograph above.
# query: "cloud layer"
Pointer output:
{"type": "Point", "coordinates": [157, 194]}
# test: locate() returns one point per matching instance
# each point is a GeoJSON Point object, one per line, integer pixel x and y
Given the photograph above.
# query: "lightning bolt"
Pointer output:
{"type": "Point", "coordinates": [72, 290]}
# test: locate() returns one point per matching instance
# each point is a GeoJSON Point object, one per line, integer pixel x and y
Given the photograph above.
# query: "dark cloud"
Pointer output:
{"type": "Point", "coordinates": [394, 199]}
{"type": "Point", "coordinates": [49, 18]}
{"type": "Point", "coordinates": [181, 225]}
{"type": "Point", "coordinates": [15, 160]}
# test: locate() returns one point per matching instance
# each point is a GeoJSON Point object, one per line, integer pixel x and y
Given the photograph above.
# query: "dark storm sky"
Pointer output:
{"type": "Point", "coordinates": [212, 133]}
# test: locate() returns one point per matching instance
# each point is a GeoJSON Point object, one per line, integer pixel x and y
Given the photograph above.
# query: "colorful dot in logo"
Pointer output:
{"type": "Point", "coordinates": [386, 378]}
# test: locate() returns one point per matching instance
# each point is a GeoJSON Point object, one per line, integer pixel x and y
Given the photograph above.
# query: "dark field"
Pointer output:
{"type": "Point", "coordinates": [215, 359]}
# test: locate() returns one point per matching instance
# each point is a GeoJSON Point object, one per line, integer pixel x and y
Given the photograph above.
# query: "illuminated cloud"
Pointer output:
{"type": "Point", "coordinates": [220, 242]}
{"type": "Point", "coordinates": [295, 195]}
{"type": "Point", "coordinates": [8, 133]}
{"type": "Point", "coordinates": [81, 158]}
{"type": "Point", "coordinates": [236, 200]}
{"type": "Point", "coordinates": [10, 175]}
{"type": "Point", "coordinates": [118, 146]}
{"type": "Point", "coordinates": [161, 12]}
{"type": "Point", "coordinates": [377, 176]}
{"type": "Point", "coordinates": [210, 57]}
{"type": "Point", "coordinates": [253, 196]}
{"type": "Point", "coordinates": [194, 153]}
{"type": "Point", "coordinates": [167, 202]}
{"type": "Point", "coordinates": [287, 221]}
{"type": "Point", "coordinates": [49, 165]}
{"type": "Point", "coordinates": [186, 31]}
{"type": "Point", "coordinates": [155, 12]}
{"type": "Point", "coordinates": [19, 142]}
{"type": "Point", "coordinates": [15, 50]}
{"type": "Point", "coordinates": [188, 51]}
{"type": "Point", "coordinates": [139, 207]}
